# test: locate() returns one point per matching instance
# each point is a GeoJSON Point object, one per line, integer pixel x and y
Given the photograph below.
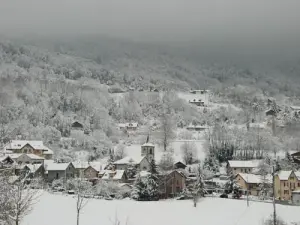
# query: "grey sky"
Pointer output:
{"type": "Point", "coordinates": [232, 22]}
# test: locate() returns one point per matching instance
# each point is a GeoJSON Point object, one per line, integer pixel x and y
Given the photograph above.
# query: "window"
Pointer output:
{"type": "Point", "coordinates": [298, 184]}
{"type": "Point", "coordinates": [284, 184]}
{"type": "Point", "coordinates": [234, 168]}
{"type": "Point", "coordinates": [150, 151]}
{"type": "Point", "coordinates": [286, 192]}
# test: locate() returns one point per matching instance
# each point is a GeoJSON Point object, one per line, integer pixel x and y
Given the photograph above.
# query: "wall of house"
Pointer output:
{"type": "Point", "coordinates": [24, 159]}
{"type": "Point", "coordinates": [284, 188]}
{"type": "Point", "coordinates": [121, 166]}
{"type": "Point", "coordinates": [144, 165]}
{"type": "Point", "coordinates": [296, 198]}
{"type": "Point", "coordinates": [68, 173]}
{"type": "Point", "coordinates": [175, 184]}
{"type": "Point", "coordinates": [90, 173]}
{"type": "Point", "coordinates": [241, 170]}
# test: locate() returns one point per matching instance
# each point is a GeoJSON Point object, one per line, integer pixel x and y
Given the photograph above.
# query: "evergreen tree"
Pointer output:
{"type": "Point", "coordinates": [232, 186]}
{"type": "Point", "coordinates": [211, 164]}
{"type": "Point", "coordinates": [138, 191]}
{"type": "Point", "coordinates": [152, 182]}
{"type": "Point", "coordinates": [264, 169]}
{"type": "Point", "coordinates": [198, 188]}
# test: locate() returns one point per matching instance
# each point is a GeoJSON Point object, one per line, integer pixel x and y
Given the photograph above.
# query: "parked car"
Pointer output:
{"type": "Point", "coordinates": [71, 192]}
{"type": "Point", "coordinates": [224, 195]}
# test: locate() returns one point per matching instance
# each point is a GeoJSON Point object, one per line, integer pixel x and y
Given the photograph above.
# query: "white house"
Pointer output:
{"type": "Point", "coordinates": [238, 166]}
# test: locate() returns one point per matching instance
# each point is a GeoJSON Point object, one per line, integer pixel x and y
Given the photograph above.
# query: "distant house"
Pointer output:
{"type": "Point", "coordinates": [29, 147]}
{"type": "Point", "coordinates": [77, 126]}
{"type": "Point", "coordinates": [172, 184]}
{"type": "Point", "coordinates": [179, 165]}
{"type": "Point", "coordinates": [197, 102]}
{"type": "Point", "coordinates": [296, 110]}
{"type": "Point", "coordinates": [296, 157]}
{"type": "Point", "coordinates": [199, 91]}
{"type": "Point", "coordinates": [33, 170]}
{"type": "Point", "coordinates": [56, 171]}
{"type": "Point", "coordinates": [90, 173]}
{"type": "Point", "coordinates": [140, 162]}
{"type": "Point", "coordinates": [6, 162]}
{"type": "Point", "coordinates": [87, 169]}
{"type": "Point", "coordinates": [271, 112]}
{"type": "Point", "coordinates": [23, 158]}
{"type": "Point", "coordinates": [129, 126]}
{"type": "Point", "coordinates": [251, 183]}
{"type": "Point", "coordinates": [237, 166]}
{"type": "Point", "coordinates": [286, 182]}
{"type": "Point", "coordinates": [196, 128]}
{"type": "Point", "coordinates": [115, 175]}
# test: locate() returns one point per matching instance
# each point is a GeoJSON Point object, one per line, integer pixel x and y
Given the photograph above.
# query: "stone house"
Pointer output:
{"type": "Point", "coordinates": [251, 183]}
{"type": "Point", "coordinates": [285, 183]}
{"type": "Point", "coordinates": [54, 171]}
{"type": "Point", "coordinates": [237, 166]}
{"type": "Point", "coordinates": [173, 183]}
{"type": "Point", "coordinates": [33, 170]}
{"type": "Point", "coordinates": [29, 147]}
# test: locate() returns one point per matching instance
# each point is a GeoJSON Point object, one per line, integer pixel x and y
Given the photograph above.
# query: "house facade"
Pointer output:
{"type": "Point", "coordinates": [197, 102]}
{"type": "Point", "coordinates": [172, 184]}
{"type": "Point", "coordinates": [119, 176]}
{"type": "Point", "coordinates": [90, 173]}
{"type": "Point", "coordinates": [23, 158]}
{"type": "Point", "coordinates": [55, 171]}
{"type": "Point", "coordinates": [29, 147]}
{"type": "Point", "coordinates": [285, 183]}
{"type": "Point", "coordinates": [296, 197]}
{"type": "Point", "coordinates": [250, 183]}
{"type": "Point", "coordinates": [236, 166]}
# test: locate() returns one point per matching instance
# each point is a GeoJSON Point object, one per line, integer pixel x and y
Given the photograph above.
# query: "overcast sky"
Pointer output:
{"type": "Point", "coordinates": [241, 22]}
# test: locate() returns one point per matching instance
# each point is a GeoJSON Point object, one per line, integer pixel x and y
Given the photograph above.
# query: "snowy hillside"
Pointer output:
{"type": "Point", "coordinates": [60, 210]}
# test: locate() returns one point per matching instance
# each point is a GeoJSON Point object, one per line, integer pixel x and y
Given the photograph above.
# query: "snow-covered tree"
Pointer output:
{"type": "Point", "coordinates": [198, 187]}
{"type": "Point", "coordinates": [119, 152]}
{"type": "Point", "coordinates": [189, 152]}
{"type": "Point", "coordinates": [232, 186]}
{"type": "Point", "coordinates": [152, 182]}
{"type": "Point", "coordinates": [211, 164]}
{"type": "Point", "coordinates": [166, 130]}
{"type": "Point", "coordinates": [264, 169]}
{"type": "Point", "coordinates": [139, 189]}
{"type": "Point", "coordinates": [167, 161]}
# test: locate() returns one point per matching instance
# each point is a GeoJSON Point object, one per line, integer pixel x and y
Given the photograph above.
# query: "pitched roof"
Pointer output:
{"type": "Point", "coordinates": [284, 175]}
{"type": "Point", "coordinates": [31, 156]}
{"type": "Point", "coordinates": [113, 174]}
{"type": "Point", "coordinates": [18, 144]}
{"type": "Point", "coordinates": [33, 168]}
{"type": "Point", "coordinates": [255, 179]}
{"type": "Point", "coordinates": [242, 164]}
{"type": "Point", "coordinates": [130, 159]}
{"type": "Point", "coordinates": [83, 165]}
{"type": "Point", "coordinates": [297, 173]}
{"type": "Point", "coordinates": [57, 166]}
{"type": "Point", "coordinates": [148, 145]}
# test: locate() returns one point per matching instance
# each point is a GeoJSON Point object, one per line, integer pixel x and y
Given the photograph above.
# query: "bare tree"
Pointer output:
{"type": "Point", "coordinates": [167, 161]}
{"type": "Point", "coordinates": [82, 188]}
{"type": "Point", "coordinates": [120, 152]}
{"type": "Point", "coordinates": [189, 152]}
{"type": "Point", "coordinates": [166, 130]}
{"type": "Point", "coordinates": [23, 197]}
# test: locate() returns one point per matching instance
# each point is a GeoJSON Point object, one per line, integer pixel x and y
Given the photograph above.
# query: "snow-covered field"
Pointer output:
{"type": "Point", "coordinates": [61, 210]}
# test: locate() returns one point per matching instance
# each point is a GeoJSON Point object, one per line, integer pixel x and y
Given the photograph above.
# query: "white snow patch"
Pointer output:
{"type": "Point", "coordinates": [61, 210]}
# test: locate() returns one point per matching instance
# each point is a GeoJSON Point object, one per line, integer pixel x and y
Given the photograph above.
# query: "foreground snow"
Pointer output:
{"type": "Point", "coordinates": [60, 210]}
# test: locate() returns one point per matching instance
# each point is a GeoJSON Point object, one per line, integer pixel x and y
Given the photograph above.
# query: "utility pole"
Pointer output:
{"type": "Point", "coordinates": [247, 192]}
{"type": "Point", "coordinates": [274, 204]}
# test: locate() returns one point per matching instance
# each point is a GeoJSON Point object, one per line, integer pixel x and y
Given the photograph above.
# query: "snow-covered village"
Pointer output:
{"type": "Point", "coordinates": [156, 112]}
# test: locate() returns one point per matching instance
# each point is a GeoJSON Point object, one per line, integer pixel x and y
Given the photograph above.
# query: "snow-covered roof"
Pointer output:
{"type": "Point", "coordinates": [297, 173]}
{"type": "Point", "coordinates": [112, 174]}
{"type": "Point", "coordinates": [3, 158]}
{"type": "Point", "coordinates": [148, 145]}
{"type": "Point", "coordinates": [56, 166]}
{"type": "Point", "coordinates": [255, 179]}
{"type": "Point", "coordinates": [119, 174]}
{"type": "Point", "coordinates": [18, 144]}
{"type": "Point", "coordinates": [257, 125]}
{"type": "Point", "coordinates": [144, 173]}
{"type": "Point", "coordinates": [31, 156]}
{"type": "Point", "coordinates": [83, 165]}
{"type": "Point", "coordinates": [243, 164]}
{"type": "Point", "coordinates": [296, 192]}
{"type": "Point", "coordinates": [284, 175]}
{"type": "Point", "coordinates": [197, 127]}
{"type": "Point", "coordinates": [33, 167]}
{"type": "Point", "coordinates": [130, 159]}
{"type": "Point", "coordinates": [293, 107]}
